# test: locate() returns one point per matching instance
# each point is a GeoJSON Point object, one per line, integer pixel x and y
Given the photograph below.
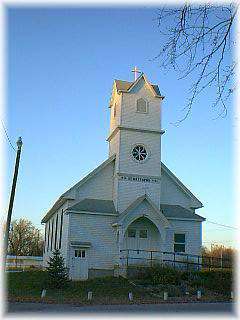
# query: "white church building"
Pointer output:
{"type": "Point", "coordinates": [131, 208]}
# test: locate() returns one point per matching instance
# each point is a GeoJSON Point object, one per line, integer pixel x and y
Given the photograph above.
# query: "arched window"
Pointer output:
{"type": "Point", "coordinates": [142, 105]}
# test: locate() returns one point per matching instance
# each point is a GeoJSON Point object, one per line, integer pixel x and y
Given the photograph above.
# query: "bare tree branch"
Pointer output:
{"type": "Point", "coordinates": [197, 41]}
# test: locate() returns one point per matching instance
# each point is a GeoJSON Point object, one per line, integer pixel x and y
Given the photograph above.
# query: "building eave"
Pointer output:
{"type": "Point", "coordinates": [91, 213]}
{"type": "Point", "coordinates": [182, 186]}
{"type": "Point", "coordinates": [61, 200]}
{"type": "Point", "coordinates": [186, 219]}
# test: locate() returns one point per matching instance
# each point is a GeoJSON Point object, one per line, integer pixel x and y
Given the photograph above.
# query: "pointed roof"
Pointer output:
{"type": "Point", "coordinates": [126, 86]}
{"type": "Point", "coordinates": [67, 195]}
{"type": "Point", "coordinates": [137, 202]}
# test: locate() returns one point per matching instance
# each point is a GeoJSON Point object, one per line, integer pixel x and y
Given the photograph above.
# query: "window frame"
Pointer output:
{"type": "Point", "coordinates": [60, 231]}
{"type": "Point", "coordinates": [48, 236]}
{"type": "Point", "coordinates": [51, 244]}
{"type": "Point", "coordinates": [114, 110]}
{"type": "Point", "coordinates": [146, 234]}
{"type": "Point", "coordinates": [135, 234]}
{"type": "Point", "coordinates": [80, 253]}
{"type": "Point", "coordinates": [179, 243]}
{"type": "Point", "coordinates": [139, 111]}
{"type": "Point", "coordinates": [146, 149]}
{"type": "Point", "coordinates": [56, 232]}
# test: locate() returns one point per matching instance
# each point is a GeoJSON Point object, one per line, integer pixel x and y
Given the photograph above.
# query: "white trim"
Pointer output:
{"type": "Point", "coordinates": [147, 150]}
{"type": "Point", "coordinates": [93, 213]}
{"type": "Point", "coordinates": [112, 134]}
{"type": "Point", "coordinates": [93, 172]}
{"type": "Point", "coordinates": [136, 203]}
{"type": "Point", "coordinates": [142, 76]}
{"type": "Point", "coordinates": [186, 219]}
{"type": "Point", "coordinates": [137, 175]}
{"type": "Point", "coordinates": [186, 234]}
{"type": "Point", "coordinates": [181, 185]}
{"type": "Point", "coordinates": [57, 205]}
{"type": "Point", "coordinates": [147, 106]}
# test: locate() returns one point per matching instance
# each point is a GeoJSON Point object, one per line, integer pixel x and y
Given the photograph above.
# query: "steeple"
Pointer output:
{"type": "Point", "coordinates": [135, 139]}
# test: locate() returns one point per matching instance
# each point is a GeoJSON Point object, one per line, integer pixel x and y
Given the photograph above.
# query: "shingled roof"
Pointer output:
{"type": "Point", "coordinates": [107, 206]}
{"type": "Point", "coordinates": [125, 85]}
{"type": "Point", "coordinates": [176, 212]}
{"type": "Point", "coordinates": [94, 205]}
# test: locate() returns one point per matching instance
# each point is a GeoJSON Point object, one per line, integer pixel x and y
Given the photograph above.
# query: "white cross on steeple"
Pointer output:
{"type": "Point", "coordinates": [136, 71]}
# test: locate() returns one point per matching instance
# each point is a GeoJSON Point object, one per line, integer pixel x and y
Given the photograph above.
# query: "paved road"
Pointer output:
{"type": "Point", "coordinates": [22, 307]}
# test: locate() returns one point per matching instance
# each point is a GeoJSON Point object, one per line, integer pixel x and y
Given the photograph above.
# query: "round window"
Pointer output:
{"type": "Point", "coordinates": [139, 153]}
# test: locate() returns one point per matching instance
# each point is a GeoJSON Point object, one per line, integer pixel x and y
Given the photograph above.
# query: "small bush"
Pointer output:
{"type": "Point", "coordinates": [215, 280]}
{"type": "Point", "coordinates": [158, 275]}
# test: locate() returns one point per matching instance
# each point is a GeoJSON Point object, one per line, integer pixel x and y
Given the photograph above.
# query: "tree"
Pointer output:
{"type": "Point", "coordinates": [227, 254]}
{"type": "Point", "coordinates": [197, 40]}
{"type": "Point", "coordinates": [57, 273]}
{"type": "Point", "coordinates": [25, 239]}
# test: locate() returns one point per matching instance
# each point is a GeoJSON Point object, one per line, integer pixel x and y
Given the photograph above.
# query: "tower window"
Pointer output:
{"type": "Point", "coordinates": [139, 153]}
{"type": "Point", "coordinates": [142, 106]}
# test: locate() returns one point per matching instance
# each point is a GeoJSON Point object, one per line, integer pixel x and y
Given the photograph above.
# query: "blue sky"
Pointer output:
{"type": "Point", "coordinates": [60, 71]}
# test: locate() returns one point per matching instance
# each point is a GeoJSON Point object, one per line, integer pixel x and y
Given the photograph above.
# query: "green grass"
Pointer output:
{"type": "Point", "coordinates": [25, 283]}
{"type": "Point", "coordinates": [28, 285]}
{"type": "Point", "coordinates": [109, 289]}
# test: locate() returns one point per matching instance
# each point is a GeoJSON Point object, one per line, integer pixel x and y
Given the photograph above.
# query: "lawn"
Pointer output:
{"type": "Point", "coordinates": [24, 286]}
{"type": "Point", "coordinates": [28, 285]}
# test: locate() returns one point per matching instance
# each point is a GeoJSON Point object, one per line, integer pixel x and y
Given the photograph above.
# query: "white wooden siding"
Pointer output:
{"type": "Point", "coordinates": [98, 230]}
{"type": "Point", "coordinates": [132, 118]}
{"type": "Point", "coordinates": [128, 191]}
{"type": "Point", "coordinates": [171, 193]}
{"type": "Point", "coordinates": [100, 186]}
{"type": "Point", "coordinates": [193, 235]}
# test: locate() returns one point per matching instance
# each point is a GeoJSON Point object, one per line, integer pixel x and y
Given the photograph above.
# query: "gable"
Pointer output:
{"type": "Point", "coordinates": [142, 206]}
{"type": "Point", "coordinates": [124, 86]}
{"type": "Point", "coordinates": [174, 192]}
{"type": "Point", "coordinates": [109, 164]}
{"type": "Point", "coordinates": [97, 184]}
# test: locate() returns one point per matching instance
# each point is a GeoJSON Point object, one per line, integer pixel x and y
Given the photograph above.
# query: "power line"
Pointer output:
{"type": "Point", "coordinates": [5, 130]}
{"type": "Point", "coordinates": [222, 225]}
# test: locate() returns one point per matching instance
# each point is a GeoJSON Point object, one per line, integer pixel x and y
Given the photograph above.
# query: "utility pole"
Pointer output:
{"type": "Point", "coordinates": [9, 216]}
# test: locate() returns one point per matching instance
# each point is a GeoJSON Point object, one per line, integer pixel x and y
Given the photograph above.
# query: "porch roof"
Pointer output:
{"type": "Point", "coordinates": [178, 212]}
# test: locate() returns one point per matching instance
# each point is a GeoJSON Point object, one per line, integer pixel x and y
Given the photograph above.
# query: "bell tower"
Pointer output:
{"type": "Point", "coordinates": [135, 139]}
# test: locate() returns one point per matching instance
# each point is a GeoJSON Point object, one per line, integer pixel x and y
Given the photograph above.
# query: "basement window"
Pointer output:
{"type": "Point", "coordinates": [179, 242]}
